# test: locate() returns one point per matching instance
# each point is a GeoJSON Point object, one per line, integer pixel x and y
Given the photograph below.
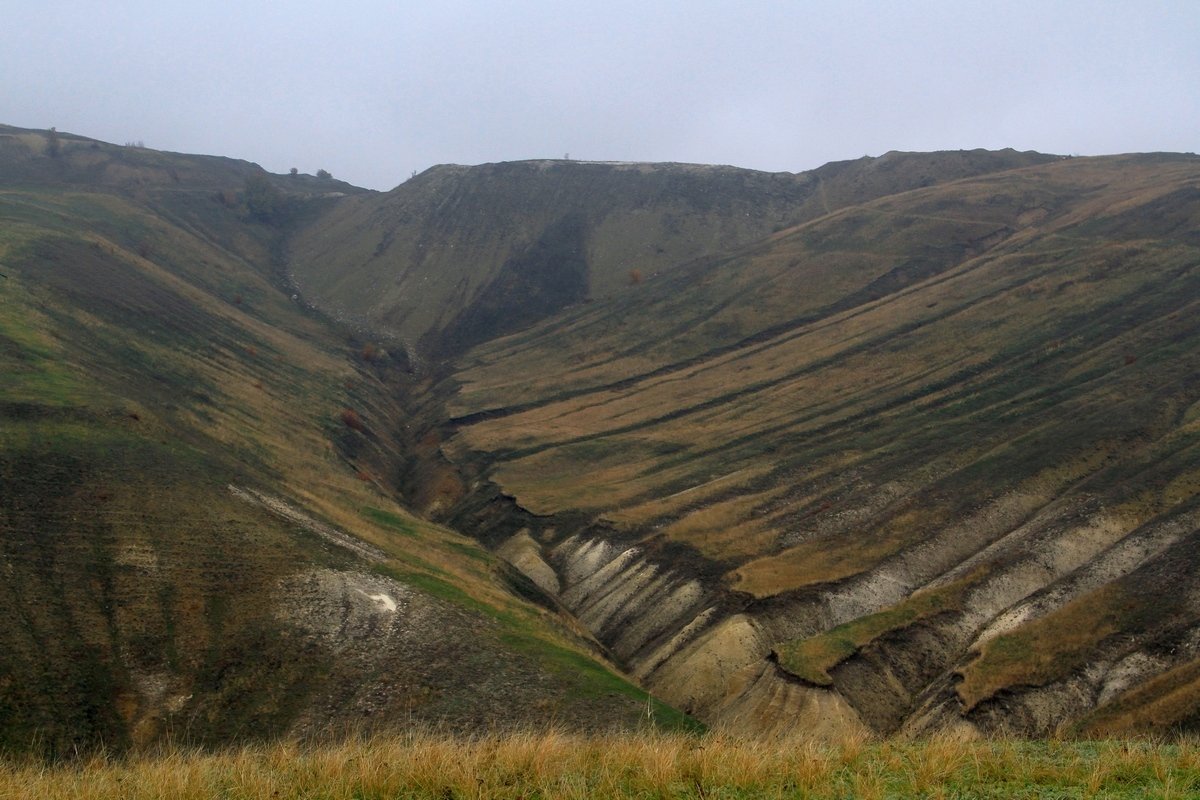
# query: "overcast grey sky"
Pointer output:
{"type": "Point", "coordinates": [374, 90]}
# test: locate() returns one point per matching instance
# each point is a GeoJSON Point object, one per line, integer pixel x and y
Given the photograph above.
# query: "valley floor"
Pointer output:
{"type": "Point", "coordinates": [555, 765]}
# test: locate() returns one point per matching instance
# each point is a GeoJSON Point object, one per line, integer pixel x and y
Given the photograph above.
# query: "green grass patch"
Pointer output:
{"type": "Point", "coordinates": [391, 521]}
{"type": "Point", "coordinates": [524, 633]}
{"type": "Point", "coordinates": [435, 586]}
{"type": "Point", "coordinates": [471, 551]}
{"type": "Point", "coordinates": [590, 678]}
{"type": "Point", "coordinates": [32, 367]}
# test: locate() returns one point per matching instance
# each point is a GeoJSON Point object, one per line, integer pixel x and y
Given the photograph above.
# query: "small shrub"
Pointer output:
{"type": "Point", "coordinates": [263, 201]}
{"type": "Point", "coordinates": [352, 420]}
{"type": "Point", "coordinates": [53, 146]}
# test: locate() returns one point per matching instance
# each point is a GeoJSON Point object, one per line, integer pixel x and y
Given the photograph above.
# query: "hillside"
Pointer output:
{"type": "Point", "coordinates": [906, 444]}
{"type": "Point", "coordinates": [459, 255]}
{"type": "Point", "coordinates": [927, 462]}
{"type": "Point", "coordinates": [201, 538]}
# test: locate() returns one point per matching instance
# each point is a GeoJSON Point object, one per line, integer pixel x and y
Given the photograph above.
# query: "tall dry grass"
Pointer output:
{"type": "Point", "coordinates": [559, 765]}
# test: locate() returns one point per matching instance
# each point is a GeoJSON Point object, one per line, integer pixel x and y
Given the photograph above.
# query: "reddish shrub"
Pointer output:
{"type": "Point", "coordinates": [352, 420]}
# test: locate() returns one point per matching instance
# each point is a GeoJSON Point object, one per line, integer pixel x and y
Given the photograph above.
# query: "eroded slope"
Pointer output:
{"type": "Point", "coordinates": [928, 461]}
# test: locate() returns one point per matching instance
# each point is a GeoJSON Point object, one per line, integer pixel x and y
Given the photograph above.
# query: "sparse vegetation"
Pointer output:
{"type": "Point", "coordinates": [811, 658]}
{"type": "Point", "coordinates": [1058, 643]}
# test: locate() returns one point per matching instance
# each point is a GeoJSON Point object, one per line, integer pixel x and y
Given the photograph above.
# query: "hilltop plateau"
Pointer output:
{"type": "Point", "coordinates": [901, 444]}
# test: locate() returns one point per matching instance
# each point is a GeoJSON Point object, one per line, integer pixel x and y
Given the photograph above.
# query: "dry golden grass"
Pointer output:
{"type": "Point", "coordinates": [695, 495]}
{"type": "Point", "coordinates": [812, 657]}
{"type": "Point", "coordinates": [559, 479]}
{"type": "Point", "coordinates": [819, 560]}
{"type": "Point", "coordinates": [1159, 703]}
{"type": "Point", "coordinates": [556, 765]}
{"type": "Point", "coordinates": [727, 529]}
{"type": "Point", "coordinates": [771, 362]}
{"type": "Point", "coordinates": [1048, 647]}
{"type": "Point", "coordinates": [618, 467]}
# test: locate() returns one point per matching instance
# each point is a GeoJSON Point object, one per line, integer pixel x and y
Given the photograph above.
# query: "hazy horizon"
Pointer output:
{"type": "Point", "coordinates": [375, 91]}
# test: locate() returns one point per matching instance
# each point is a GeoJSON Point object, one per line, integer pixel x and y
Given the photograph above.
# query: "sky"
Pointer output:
{"type": "Point", "coordinates": [374, 91]}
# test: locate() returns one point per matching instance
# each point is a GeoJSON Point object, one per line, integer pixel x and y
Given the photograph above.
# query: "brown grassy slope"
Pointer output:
{"type": "Point", "coordinates": [975, 307]}
{"type": "Point", "coordinates": [194, 543]}
{"type": "Point", "coordinates": [900, 389]}
{"type": "Point", "coordinates": [458, 255]}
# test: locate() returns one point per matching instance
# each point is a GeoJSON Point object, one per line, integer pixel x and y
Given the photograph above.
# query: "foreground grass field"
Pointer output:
{"type": "Point", "coordinates": [554, 765]}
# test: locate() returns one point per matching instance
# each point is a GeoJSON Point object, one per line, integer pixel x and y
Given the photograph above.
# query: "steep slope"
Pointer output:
{"type": "Point", "coordinates": [199, 529]}
{"type": "Point", "coordinates": [458, 255]}
{"type": "Point", "coordinates": [929, 461]}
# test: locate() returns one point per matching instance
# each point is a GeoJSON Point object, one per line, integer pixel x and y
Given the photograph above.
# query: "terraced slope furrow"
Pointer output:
{"type": "Point", "coordinates": [915, 454]}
